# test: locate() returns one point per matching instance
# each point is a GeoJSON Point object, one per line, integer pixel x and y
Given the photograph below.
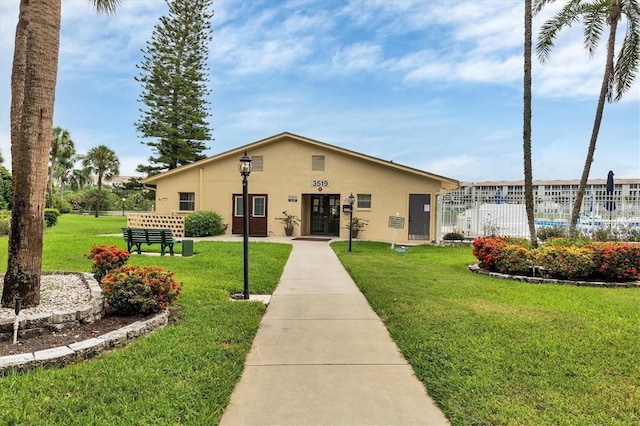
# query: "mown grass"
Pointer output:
{"type": "Point", "coordinates": [498, 352]}
{"type": "Point", "coordinates": [183, 374]}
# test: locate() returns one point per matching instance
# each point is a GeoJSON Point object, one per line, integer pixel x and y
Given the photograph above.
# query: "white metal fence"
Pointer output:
{"type": "Point", "coordinates": [476, 216]}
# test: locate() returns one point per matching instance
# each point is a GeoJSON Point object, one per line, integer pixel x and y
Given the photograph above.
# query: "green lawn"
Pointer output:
{"type": "Point", "coordinates": [183, 374]}
{"type": "Point", "coordinates": [498, 352]}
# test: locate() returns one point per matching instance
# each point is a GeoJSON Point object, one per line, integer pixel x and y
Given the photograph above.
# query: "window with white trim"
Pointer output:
{"type": "Point", "coordinates": [364, 201]}
{"type": "Point", "coordinates": [238, 206]}
{"type": "Point", "coordinates": [259, 206]}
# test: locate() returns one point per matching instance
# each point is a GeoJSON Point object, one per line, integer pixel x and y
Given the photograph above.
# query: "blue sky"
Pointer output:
{"type": "Point", "coordinates": [435, 85]}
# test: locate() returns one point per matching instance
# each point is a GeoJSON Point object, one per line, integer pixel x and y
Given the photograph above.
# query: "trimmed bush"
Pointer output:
{"type": "Point", "coordinates": [203, 224]}
{"type": "Point", "coordinates": [453, 236]}
{"type": "Point", "coordinates": [565, 262]}
{"type": "Point", "coordinates": [487, 250]}
{"type": "Point", "coordinates": [616, 262]}
{"type": "Point", "coordinates": [51, 217]}
{"type": "Point", "coordinates": [515, 259]}
{"type": "Point", "coordinates": [133, 289]}
{"type": "Point", "coordinates": [106, 259]}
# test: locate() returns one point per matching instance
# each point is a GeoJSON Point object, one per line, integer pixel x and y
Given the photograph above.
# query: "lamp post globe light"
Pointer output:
{"type": "Point", "coordinates": [244, 167]}
{"type": "Point", "coordinates": [351, 199]}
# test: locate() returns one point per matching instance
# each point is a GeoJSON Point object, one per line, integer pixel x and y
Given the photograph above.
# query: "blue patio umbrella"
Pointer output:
{"type": "Point", "coordinates": [610, 204]}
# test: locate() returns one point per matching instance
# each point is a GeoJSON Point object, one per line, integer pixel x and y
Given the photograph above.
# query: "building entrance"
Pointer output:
{"type": "Point", "coordinates": [325, 214]}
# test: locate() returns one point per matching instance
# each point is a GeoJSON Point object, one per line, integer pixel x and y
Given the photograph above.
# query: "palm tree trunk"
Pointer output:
{"type": "Point", "coordinates": [604, 90]}
{"type": "Point", "coordinates": [33, 83]}
{"type": "Point", "coordinates": [99, 194]}
{"type": "Point", "coordinates": [52, 166]}
{"type": "Point", "coordinates": [526, 127]}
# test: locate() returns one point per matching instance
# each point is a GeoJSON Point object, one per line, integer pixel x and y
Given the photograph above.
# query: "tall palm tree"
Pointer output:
{"type": "Point", "coordinates": [526, 123]}
{"type": "Point", "coordinates": [33, 83]}
{"type": "Point", "coordinates": [619, 72]}
{"type": "Point", "coordinates": [62, 150]}
{"type": "Point", "coordinates": [104, 163]}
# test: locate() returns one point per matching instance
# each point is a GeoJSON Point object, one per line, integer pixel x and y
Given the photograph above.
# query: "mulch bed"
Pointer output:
{"type": "Point", "coordinates": [62, 338]}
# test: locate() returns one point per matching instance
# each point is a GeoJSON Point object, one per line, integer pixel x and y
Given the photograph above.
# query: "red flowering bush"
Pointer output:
{"type": "Point", "coordinates": [106, 259]}
{"type": "Point", "coordinates": [487, 250]}
{"type": "Point", "coordinates": [132, 289]}
{"type": "Point", "coordinates": [565, 261]}
{"type": "Point", "coordinates": [616, 261]}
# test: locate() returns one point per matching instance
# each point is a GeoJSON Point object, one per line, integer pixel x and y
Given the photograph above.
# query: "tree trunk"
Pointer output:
{"type": "Point", "coordinates": [99, 193]}
{"type": "Point", "coordinates": [33, 83]}
{"type": "Point", "coordinates": [526, 127]}
{"type": "Point", "coordinates": [604, 90]}
{"type": "Point", "coordinates": [51, 168]}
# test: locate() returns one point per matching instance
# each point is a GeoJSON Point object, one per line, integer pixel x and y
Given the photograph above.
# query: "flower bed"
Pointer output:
{"type": "Point", "coordinates": [609, 262]}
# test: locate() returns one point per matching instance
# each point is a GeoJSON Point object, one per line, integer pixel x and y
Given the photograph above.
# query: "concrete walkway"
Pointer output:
{"type": "Point", "coordinates": [323, 357]}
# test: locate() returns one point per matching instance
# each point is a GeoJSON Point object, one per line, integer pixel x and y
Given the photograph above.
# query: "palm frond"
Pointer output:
{"type": "Point", "coordinates": [566, 17]}
{"type": "Point", "coordinates": [538, 5]}
{"type": "Point", "coordinates": [626, 66]}
{"type": "Point", "coordinates": [106, 6]}
{"type": "Point", "coordinates": [595, 17]}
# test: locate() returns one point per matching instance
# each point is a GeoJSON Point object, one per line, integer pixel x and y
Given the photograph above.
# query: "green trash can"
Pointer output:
{"type": "Point", "coordinates": [187, 248]}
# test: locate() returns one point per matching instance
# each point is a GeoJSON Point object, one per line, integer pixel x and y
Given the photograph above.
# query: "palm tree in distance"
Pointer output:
{"type": "Point", "coordinates": [526, 123]}
{"type": "Point", "coordinates": [104, 163]}
{"type": "Point", "coordinates": [619, 72]}
{"type": "Point", "coordinates": [61, 152]}
{"type": "Point", "coordinates": [33, 84]}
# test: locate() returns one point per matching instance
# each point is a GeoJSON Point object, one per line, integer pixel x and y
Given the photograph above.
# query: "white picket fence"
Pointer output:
{"type": "Point", "coordinates": [481, 216]}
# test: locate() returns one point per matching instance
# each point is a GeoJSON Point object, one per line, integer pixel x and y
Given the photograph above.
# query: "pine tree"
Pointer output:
{"type": "Point", "coordinates": [174, 86]}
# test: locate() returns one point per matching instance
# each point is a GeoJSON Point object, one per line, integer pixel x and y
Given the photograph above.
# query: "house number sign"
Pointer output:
{"type": "Point", "coordinates": [320, 183]}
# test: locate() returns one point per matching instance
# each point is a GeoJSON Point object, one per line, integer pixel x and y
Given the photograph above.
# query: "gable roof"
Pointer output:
{"type": "Point", "coordinates": [447, 183]}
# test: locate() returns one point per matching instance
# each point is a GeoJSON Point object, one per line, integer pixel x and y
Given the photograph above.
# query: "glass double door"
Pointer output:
{"type": "Point", "coordinates": [325, 214]}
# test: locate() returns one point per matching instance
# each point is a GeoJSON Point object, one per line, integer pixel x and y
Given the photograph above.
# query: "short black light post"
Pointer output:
{"type": "Point", "coordinates": [244, 167]}
{"type": "Point", "coordinates": [351, 199]}
{"type": "Point", "coordinates": [123, 200]}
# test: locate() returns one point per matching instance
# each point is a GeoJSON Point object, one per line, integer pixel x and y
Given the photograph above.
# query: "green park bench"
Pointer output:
{"type": "Point", "coordinates": [137, 236]}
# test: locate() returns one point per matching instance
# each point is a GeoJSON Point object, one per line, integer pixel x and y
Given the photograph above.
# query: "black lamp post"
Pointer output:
{"type": "Point", "coordinates": [244, 167]}
{"type": "Point", "coordinates": [351, 199]}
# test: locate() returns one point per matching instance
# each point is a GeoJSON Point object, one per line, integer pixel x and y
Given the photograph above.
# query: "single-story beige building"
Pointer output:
{"type": "Point", "coordinates": [311, 180]}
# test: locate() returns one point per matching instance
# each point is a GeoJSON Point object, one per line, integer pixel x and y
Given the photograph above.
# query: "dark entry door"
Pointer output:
{"type": "Point", "coordinates": [419, 216]}
{"type": "Point", "coordinates": [325, 214]}
{"type": "Point", "coordinates": [257, 215]}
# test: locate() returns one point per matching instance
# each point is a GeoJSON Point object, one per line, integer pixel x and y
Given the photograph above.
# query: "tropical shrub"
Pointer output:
{"type": "Point", "coordinates": [106, 259]}
{"type": "Point", "coordinates": [515, 259]}
{"type": "Point", "coordinates": [203, 224]}
{"type": "Point", "coordinates": [487, 250]}
{"type": "Point", "coordinates": [565, 262]}
{"type": "Point", "coordinates": [546, 232]}
{"type": "Point", "coordinates": [132, 289]}
{"type": "Point", "coordinates": [51, 217]}
{"type": "Point", "coordinates": [452, 236]}
{"type": "Point", "coordinates": [579, 241]}
{"type": "Point", "coordinates": [616, 262]}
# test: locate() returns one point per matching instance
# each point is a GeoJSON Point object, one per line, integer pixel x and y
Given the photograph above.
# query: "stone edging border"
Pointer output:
{"type": "Point", "coordinates": [61, 320]}
{"type": "Point", "coordinates": [539, 280]}
{"type": "Point", "coordinates": [62, 355]}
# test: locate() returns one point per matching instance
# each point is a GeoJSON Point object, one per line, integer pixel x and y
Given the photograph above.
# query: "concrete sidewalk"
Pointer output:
{"type": "Point", "coordinates": [323, 357]}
